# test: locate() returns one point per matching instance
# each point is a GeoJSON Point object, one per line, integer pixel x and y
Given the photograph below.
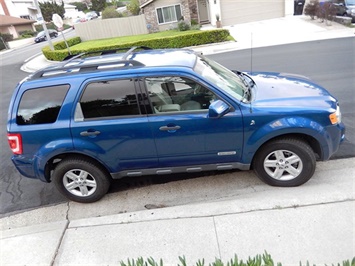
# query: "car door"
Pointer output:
{"type": "Point", "coordinates": [109, 125]}
{"type": "Point", "coordinates": [183, 132]}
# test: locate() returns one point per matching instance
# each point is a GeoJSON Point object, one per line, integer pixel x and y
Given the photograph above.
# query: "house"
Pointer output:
{"type": "Point", "coordinates": [70, 11]}
{"type": "Point", "coordinates": [161, 14]}
{"type": "Point", "coordinates": [18, 8]}
{"type": "Point", "coordinates": [26, 8]}
{"type": "Point", "coordinates": [14, 25]}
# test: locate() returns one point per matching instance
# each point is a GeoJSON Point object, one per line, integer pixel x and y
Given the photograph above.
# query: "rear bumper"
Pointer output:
{"type": "Point", "coordinates": [26, 167]}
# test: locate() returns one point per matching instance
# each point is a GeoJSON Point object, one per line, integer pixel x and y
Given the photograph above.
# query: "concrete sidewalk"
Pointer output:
{"type": "Point", "coordinates": [314, 222]}
{"type": "Point", "coordinates": [204, 218]}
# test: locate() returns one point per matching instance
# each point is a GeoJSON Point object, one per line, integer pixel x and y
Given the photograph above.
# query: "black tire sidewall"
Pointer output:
{"type": "Point", "coordinates": [101, 178]}
{"type": "Point", "coordinates": [299, 147]}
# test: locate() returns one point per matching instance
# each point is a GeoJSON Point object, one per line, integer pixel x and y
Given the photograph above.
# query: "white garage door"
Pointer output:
{"type": "Point", "coordinates": [241, 11]}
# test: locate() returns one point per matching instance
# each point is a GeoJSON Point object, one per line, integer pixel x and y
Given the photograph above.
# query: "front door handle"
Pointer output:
{"type": "Point", "coordinates": [169, 129]}
{"type": "Point", "coordinates": [89, 133]}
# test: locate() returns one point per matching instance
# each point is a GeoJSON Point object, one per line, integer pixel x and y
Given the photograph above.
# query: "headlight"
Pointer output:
{"type": "Point", "coordinates": [335, 118]}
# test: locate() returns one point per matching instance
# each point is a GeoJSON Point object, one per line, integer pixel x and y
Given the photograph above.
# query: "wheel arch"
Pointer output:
{"type": "Point", "coordinates": [310, 140]}
{"type": "Point", "coordinates": [315, 134]}
{"type": "Point", "coordinates": [55, 160]}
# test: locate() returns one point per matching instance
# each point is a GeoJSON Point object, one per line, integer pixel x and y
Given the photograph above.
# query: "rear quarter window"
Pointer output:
{"type": "Point", "coordinates": [41, 105]}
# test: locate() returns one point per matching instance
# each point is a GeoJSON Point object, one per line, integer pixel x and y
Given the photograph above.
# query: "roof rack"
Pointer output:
{"type": "Point", "coordinates": [65, 68]}
{"type": "Point", "coordinates": [104, 52]}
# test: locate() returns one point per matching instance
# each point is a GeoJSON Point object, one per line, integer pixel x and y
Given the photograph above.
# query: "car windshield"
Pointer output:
{"type": "Point", "coordinates": [222, 77]}
{"type": "Point", "coordinates": [40, 34]}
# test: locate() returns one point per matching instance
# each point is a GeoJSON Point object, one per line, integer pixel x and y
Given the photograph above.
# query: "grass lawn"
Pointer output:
{"type": "Point", "coordinates": [130, 39]}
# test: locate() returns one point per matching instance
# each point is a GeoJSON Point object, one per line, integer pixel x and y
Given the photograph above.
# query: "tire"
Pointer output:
{"type": "Point", "coordinates": [81, 180]}
{"type": "Point", "coordinates": [285, 162]}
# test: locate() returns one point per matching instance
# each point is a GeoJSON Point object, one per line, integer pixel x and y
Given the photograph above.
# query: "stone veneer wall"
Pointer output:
{"type": "Point", "coordinates": [149, 12]}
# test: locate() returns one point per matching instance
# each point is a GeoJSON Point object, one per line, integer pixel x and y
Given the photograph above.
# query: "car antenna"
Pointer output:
{"type": "Point", "coordinates": [251, 52]}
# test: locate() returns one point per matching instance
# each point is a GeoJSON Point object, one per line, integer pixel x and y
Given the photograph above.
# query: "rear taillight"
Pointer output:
{"type": "Point", "coordinates": [15, 142]}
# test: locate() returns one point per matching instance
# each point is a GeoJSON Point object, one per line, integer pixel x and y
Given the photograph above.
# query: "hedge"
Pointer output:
{"type": "Point", "coordinates": [189, 39]}
{"type": "Point", "coordinates": [60, 49]}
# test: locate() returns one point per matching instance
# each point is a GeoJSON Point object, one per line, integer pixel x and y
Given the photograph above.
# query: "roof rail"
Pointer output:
{"type": "Point", "coordinates": [103, 52]}
{"type": "Point", "coordinates": [64, 68]}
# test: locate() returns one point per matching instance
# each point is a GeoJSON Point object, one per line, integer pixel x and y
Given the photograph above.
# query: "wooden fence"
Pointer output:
{"type": "Point", "coordinates": [113, 27]}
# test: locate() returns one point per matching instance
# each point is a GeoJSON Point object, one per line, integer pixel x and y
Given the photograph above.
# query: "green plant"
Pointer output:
{"type": "Point", "coordinates": [50, 25]}
{"type": "Point", "coordinates": [98, 5]}
{"type": "Point", "coordinates": [110, 12]}
{"type": "Point", "coordinates": [28, 33]}
{"type": "Point", "coordinates": [133, 7]}
{"type": "Point", "coordinates": [194, 22]}
{"type": "Point", "coordinates": [60, 49]}
{"type": "Point", "coordinates": [48, 8]}
{"type": "Point", "coordinates": [258, 260]}
{"type": "Point", "coordinates": [172, 39]}
{"type": "Point", "coordinates": [80, 6]}
{"type": "Point", "coordinates": [183, 26]}
{"type": "Point", "coordinates": [7, 37]}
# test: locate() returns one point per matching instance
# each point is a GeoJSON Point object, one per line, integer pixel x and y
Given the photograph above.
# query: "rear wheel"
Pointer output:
{"type": "Point", "coordinates": [285, 162]}
{"type": "Point", "coordinates": [81, 180]}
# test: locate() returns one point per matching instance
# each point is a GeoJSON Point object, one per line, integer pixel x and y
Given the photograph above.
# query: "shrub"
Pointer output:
{"type": "Point", "coordinates": [110, 12]}
{"type": "Point", "coordinates": [183, 26]}
{"type": "Point", "coordinates": [186, 40]}
{"type": "Point", "coordinates": [311, 9]}
{"type": "Point", "coordinates": [7, 37]}
{"type": "Point", "coordinates": [51, 26]}
{"type": "Point", "coordinates": [195, 25]}
{"type": "Point", "coordinates": [133, 7]}
{"type": "Point", "coordinates": [60, 49]}
{"type": "Point", "coordinates": [2, 45]}
{"type": "Point", "coordinates": [326, 11]}
{"type": "Point", "coordinates": [29, 33]}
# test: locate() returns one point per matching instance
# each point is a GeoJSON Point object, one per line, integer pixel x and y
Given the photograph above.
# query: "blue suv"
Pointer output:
{"type": "Point", "coordinates": [90, 120]}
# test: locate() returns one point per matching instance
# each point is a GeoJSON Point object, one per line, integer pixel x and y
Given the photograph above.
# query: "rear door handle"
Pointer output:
{"type": "Point", "coordinates": [170, 129]}
{"type": "Point", "coordinates": [89, 133]}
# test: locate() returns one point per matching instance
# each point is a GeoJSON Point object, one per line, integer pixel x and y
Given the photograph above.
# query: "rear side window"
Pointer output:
{"type": "Point", "coordinates": [41, 106]}
{"type": "Point", "coordinates": [109, 98]}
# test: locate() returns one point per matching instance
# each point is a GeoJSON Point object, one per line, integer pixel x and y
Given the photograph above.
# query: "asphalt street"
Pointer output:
{"type": "Point", "coordinates": [214, 215]}
{"type": "Point", "coordinates": [19, 193]}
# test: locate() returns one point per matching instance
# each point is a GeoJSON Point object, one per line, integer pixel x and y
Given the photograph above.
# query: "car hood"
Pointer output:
{"type": "Point", "coordinates": [282, 89]}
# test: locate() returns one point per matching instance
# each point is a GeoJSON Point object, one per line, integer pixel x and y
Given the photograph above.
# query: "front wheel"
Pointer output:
{"type": "Point", "coordinates": [81, 180]}
{"type": "Point", "coordinates": [285, 162]}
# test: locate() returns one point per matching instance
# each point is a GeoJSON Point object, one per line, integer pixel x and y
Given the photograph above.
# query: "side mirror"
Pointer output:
{"type": "Point", "coordinates": [218, 109]}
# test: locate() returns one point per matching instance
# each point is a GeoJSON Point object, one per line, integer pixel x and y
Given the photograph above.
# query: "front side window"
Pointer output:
{"type": "Point", "coordinates": [177, 94]}
{"type": "Point", "coordinates": [109, 98]}
{"type": "Point", "coordinates": [169, 14]}
{"type": "Point", "coordinates": [41, 105]}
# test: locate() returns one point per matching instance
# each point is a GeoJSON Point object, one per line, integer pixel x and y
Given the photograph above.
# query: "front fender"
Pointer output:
{"type": "Point", "coordinates": [289, 125]}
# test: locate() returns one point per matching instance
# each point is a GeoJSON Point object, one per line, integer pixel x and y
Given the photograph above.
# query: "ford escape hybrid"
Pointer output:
{"type": "Point", "coordinates": [89, 120]}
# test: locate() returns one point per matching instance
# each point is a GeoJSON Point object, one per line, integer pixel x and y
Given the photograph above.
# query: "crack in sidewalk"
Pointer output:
{"type": "Point", "coordinates": [62, 236]}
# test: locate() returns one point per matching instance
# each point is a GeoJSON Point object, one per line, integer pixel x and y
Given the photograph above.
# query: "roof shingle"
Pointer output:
{"type": "Point", "coordinates": [8, 21]}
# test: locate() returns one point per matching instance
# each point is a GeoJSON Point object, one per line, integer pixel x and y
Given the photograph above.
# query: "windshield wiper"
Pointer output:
{"type": "Point", "coordinates": [247, 84]}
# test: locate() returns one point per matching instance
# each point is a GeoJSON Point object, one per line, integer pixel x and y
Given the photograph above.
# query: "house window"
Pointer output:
{"type": "Point", "coordinates": [169, 14]}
